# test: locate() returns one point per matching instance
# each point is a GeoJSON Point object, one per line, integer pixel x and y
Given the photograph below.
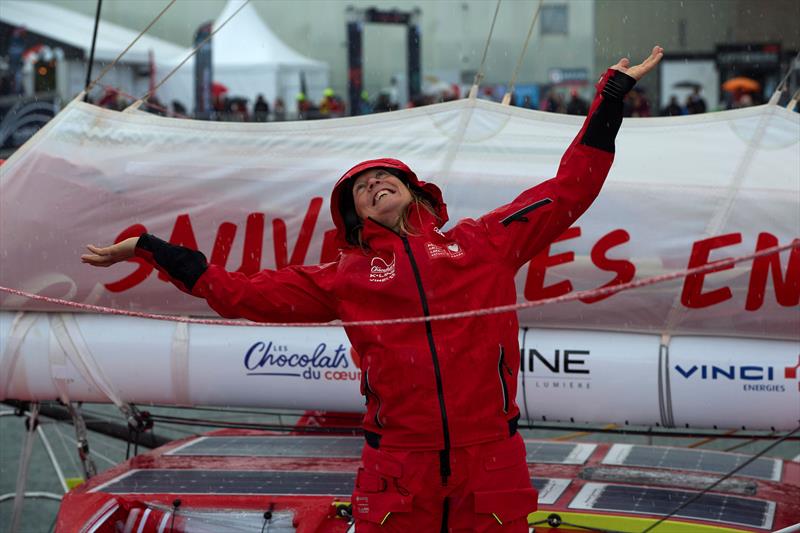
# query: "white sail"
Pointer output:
{"type": "Point", "coordinates": [683, 191]}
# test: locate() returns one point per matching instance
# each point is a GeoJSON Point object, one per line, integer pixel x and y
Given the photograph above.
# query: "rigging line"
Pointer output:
{"type": "Point", "coordinates": [714, 266]}
{"type": "Point", "coordinates": [74, 441]}
{"type": "Point", "coordinates": [56, 466]}
{"type": "Point", "coordinates": [218, 410]}
{"type": "Point", "coordinates": [473, 92]}
{"type": "Point", "coordinates": [184, 421]}
{"type": "Point", "coordinates": [67, 451]}
{"type": "Point", "coordinates": [91, 51]}
{"type": "Point", "coordinates": [782, 85]}
{"type": "Point", "coordinates": [720, 480]}
{"type": "Point", "coordinates": [89, 86]}
{"type": "Point", "coordinates": [750, 440]}
{"type": "Point", "coordinates": [712, 438]}
{"type": "Point", "coordinates": [150, 93]}
{"type": "Point", "coordinates": [509, 94]}
{"type": "Point", "coordinates": [555, 521]}
{"type": "Point", "coordinates": [227, 410]}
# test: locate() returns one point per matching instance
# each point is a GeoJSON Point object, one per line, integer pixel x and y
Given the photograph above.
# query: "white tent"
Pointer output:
{"type": "Point", "coordinates": [75, 29]}
{"type": "Point", "coordinates": [249, 60]}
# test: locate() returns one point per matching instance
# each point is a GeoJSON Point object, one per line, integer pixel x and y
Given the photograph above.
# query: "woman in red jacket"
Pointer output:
{"type": "Point", "coordinates": [443, 452]}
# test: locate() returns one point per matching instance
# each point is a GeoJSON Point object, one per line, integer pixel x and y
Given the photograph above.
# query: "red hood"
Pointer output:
{"type": "Point", "coordinates": [431, 190]}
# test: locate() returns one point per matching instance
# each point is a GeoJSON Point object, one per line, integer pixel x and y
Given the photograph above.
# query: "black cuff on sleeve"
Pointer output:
{"type": "Point", "coordinates": [180, 263]}
{"type": "Point", "coordinates": [607, 118]}
{"type": "Point", "coordinates": [618, 85]}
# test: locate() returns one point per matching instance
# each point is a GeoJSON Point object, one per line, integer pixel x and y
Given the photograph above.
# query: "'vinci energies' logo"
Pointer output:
{"type": "Point", "coordinates": [754, 378]}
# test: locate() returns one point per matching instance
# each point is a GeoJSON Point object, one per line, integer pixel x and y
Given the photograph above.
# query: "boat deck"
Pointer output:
{"type": "Point", "coordinates": [302, 483]}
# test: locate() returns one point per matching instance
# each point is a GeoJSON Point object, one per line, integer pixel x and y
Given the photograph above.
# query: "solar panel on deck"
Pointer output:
{"type": "Point", "coordinates": [231, 482]}
{"type": "Point", "coordinates": [640, 500]}
{"type": "Point", "coordinates": [272, 482]}
{"type": "Point", "coordinates": [558, 452]}
{"type": "Point", "coordinates": [350, 447]}
{"type": "Point", "coordinates": [269, 446]}
{"type": "Point", "coordinates": [697, 460]}
{"type": "Point", "coordinates": [550, 489]}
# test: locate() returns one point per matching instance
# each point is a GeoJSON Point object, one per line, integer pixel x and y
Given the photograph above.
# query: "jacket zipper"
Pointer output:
{"type": "Point", "coordinates": [369, 390]}
{"type": "Point", "coordinates": [444, 467]}
{"type": "Point", "coordinates": [501, 365]}
{"type": "Point", "coordinates": [520, 215]}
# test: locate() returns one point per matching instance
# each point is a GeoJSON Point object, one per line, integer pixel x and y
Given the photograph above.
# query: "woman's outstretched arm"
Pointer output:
{"type": "Point", "coordinates": [291, 294]}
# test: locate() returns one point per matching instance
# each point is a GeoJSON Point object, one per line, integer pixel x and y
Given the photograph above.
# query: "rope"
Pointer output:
{"type": "Point", "coordinates": [510, 93]}
{"type": "Point", "coordinates": [91, 51]}
{"type": "Point", "coordinates": [22, 471]}
{"type": "Point", "coordinates": [111, 65]}
{"type": "Point", "coordinates": [473, 92]}
{"type": "Point", "coordinates": [720, 480]}
{"type": "Point", "coordinates": [716, 265]}
{"type": "Point", "coordinates": [192, 53]}
{"type": "Point", "coordinates": [782, 85]}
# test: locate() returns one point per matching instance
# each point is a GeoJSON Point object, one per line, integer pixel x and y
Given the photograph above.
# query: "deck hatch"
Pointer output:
{"type": "Point", "coordinates": [269, 446]}
{"type": "Point", "coordinates": [695, 460]}
{"type": "Point", "coordinates": [641, 500]}
{"type": "Point", "coordinates": [558, 452]}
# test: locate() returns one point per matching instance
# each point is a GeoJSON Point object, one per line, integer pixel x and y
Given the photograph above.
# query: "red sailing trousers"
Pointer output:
{"type": "Point", "coordinates": [489, 490]}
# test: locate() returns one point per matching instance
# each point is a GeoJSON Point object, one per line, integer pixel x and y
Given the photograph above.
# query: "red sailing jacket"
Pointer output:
{"type": "Point", "coordinates": [432, 385]}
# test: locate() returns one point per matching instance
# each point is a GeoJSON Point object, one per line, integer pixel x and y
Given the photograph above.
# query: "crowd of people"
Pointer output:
{"type": "Point", "coordinates": [237, 109]}
{"type": "Point", "coordinates": [694, 105]}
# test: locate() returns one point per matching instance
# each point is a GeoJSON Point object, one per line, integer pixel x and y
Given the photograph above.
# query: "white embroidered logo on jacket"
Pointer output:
{"type": "Point", "coordinates": [380, 270]}
{"type": "Point", "coordinates": [451, 250]}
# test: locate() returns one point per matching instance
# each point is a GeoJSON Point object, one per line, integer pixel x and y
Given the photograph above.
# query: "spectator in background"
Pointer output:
{"type": "Point", "coordinates": [178, 109]}
{"type": "Point", "coordinates": [553, 102]}
{"type": "Point", "coordinates": [365, 107]}
{"type": "Point", "coordinates": [112, 99]}
{"type": "Point", "coordinates": [238, 110]}
{"type": "Point", "coordinates": [331, 105]}
{"type": "Point", "coordinates": [279, 110]}
{"type": "Point", "coordinates": [744, 100]}
{"type": "Point", "coordinates": [260, 109]}
{"type": "Point", "coordinates": [673, 109]}
{"type": "Point", "coordinates": [695, 103]}
{"type": "Point", "coordinates": [393, 94]}
{"type": "Point", "coordinates": [577, 105]}
{"type": "Point", "coordinates": [382, 103]}
{"type": "Point", "coordinates": [154, 106]}
{"type": "Point", "coordinates": [303, 106]}
{"type": "Point", "coordinates": [527, 102]}
{"type": "Point", "coordinates": [637, 104]}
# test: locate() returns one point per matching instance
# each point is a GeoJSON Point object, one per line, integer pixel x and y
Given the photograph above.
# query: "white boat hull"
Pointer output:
{"type": "Point", "coordinates": [579, 376]}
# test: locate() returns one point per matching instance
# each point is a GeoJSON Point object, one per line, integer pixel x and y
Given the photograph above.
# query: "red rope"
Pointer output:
{"type": "Point", "coordinates": [716, 265]}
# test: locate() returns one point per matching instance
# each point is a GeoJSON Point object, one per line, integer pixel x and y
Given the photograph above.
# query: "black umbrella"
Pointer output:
{"type": "Point", "coordinates": [686, 84]}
